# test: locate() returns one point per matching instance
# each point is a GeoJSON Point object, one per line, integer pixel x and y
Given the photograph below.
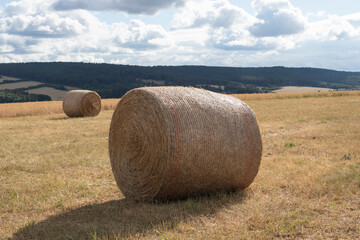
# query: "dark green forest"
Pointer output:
{"type": "Point", "coordinates": [112, 81]}
{"type": "Point", "coordinates": [10, 96]}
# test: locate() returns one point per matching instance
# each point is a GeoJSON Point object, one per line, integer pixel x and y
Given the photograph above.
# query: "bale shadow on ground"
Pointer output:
{"type": "Point", "coordinates": [125, 218]}
{"type": "Point", "coordinates": [59, 118]}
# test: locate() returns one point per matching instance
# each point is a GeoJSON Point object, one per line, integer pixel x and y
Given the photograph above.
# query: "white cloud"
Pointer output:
{"type": "Point", "coordinates": [210, 32]}
{"type": "Point", "coordinates": [30, 30]}
{"type": "Point", "coordinates": [10, 44]}
{"type": "Point", "coordinates": [79, 58]}
{"type": "Point", "coordinates": [33, 18]}
{"type": "Point", "coordinates": [107, 43]}
{"type": "Point", "coordinates": [229, 27]}
{"type": "Point", "coordinates": [353, 19]}
{"type": "Point", "coordinates": [241, 40]}
{"type": "Point", "coordinates": [129, 6]}
{"type": "Point", "coordinates": [48, 25]}
{"type": "Point", "coordinates": [191, 37]}
{"type": "Point", "coordinates": [26, 7]}
{"type": "Point", "coordinates": [334, 28]}
{"type": "Point", "coordinates": [5, 45]}
{"type": "Point", "coordinates": [217, 13]}
{"type": "Point", "coordinates": [316, 16]}
{"type": "Point", "coordinates": [137, 35]}
{"type": "Point", "coordinates": [278, 17]}
{"type": "Point", "coordinates": [235, 39]}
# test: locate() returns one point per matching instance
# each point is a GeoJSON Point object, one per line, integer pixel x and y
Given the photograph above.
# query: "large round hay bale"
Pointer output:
{"type": "Point", "coordinates": [173, 142]}
{"type": "Point", "coordinates": [81, 103]}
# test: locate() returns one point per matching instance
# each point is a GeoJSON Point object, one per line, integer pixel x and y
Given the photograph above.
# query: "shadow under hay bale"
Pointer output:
{"type": "Point", "coordinates": [82, 103]}
{"type": "Point", "coordinates": [173, 142]}
{"type": "Point", "coordinates": [124, 218]}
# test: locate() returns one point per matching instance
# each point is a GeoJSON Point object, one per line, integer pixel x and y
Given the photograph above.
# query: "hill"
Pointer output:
{"type": "Point", "coordinates": [112, 81]}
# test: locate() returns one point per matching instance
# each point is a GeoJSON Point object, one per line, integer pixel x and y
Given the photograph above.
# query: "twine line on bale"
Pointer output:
{"type": "Point", "coordinates": [173, 142]}
{"type": "Point", "coordinates": [82, 103]}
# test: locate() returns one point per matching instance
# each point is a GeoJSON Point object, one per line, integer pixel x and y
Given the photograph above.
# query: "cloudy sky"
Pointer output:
{"type": "Point", "coordinates": [241, 33]}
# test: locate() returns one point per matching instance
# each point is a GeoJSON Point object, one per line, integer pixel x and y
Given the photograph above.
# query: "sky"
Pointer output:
{"type": "Point", "coordinates": [238, 33]}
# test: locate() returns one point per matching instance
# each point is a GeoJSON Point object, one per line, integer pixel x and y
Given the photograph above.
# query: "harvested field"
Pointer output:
{"type": "Point", "coordinates": [6, 78]}
{"type": "Point", "coordinates": [57, 183]}
{"type": "Point", "coordinates": [30, 109]}
{"type": "Point", "coordinates": [268, 96]}
{"type": "Point", "coordinates": [16, 85]}
{"type": "Point", "coordinates": [55, 94]}
{"type": "Point", "coordinates": [294, 89]}
{"type": "Point", "coordinates": [40, 108]}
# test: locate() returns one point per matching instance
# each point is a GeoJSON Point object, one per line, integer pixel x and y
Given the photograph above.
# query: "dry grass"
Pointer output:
{"type": "Point", "coordinates": [295, 89]}
{"type": "Point", "coordinates": [31, 109]}
{"type": "Point", "coordinates": [266, 96]}
{"type": "Point", "coordinates": [56, 181]}
{"type": "Point", "coordinates": [39, 108]}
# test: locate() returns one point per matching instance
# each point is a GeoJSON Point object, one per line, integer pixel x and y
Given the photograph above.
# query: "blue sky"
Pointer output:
{"type": "Point", "coordinates": [241, 33]}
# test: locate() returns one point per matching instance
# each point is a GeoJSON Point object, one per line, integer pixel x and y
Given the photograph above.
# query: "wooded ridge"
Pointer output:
{"type": "Point", "coordinates": [112, 81]}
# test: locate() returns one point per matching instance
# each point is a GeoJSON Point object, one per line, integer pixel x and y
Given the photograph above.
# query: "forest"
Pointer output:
{"type": "Point", "coordinates": [112, 81]}
{"type": "Point", "coordinates": [10, 96]}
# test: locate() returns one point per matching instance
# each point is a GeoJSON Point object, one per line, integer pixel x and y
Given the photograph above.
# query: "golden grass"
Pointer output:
{"type": "Point", "coordinates": [38, 108]}
{"type": "Point", "coordinates": [295, 89]}
{"type": "Point", "coordinates": [29, 108]}
{"type": "Point", "coordinates": [263, 96]}
{"type": "Point", "coordinates": [56, 180]}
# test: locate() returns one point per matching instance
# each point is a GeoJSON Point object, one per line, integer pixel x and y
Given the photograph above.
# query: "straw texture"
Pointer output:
{"type": "Point", "coordinates": [173, 142]}
{"type": "Point", "coordinates": [81, 103]}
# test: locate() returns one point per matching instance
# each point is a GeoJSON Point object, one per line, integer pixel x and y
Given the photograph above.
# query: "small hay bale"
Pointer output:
{"type": "Point", "coordinates": [174, 142]}
{"type": "Point", "coordinates": [81, 103]}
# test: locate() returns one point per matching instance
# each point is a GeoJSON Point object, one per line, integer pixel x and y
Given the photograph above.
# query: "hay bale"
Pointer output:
{"type": "Point", "coordinates": [81, 103]}
{"type": "Point", "coordinates": [174, 142]}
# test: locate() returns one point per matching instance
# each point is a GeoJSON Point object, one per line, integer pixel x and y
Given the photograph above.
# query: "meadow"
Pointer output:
{"type": "Point", "coordinates": [56, 180]}
{"type": "Point", "coordinates": [295, 89]}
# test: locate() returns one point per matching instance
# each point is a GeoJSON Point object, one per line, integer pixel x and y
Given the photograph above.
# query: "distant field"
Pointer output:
{"type": "Point", "coordinates": [16, 85]}
{"type": "Point", "coordinates": [56, 179]}
{"type": "Point", "coordinates": [6, 78]}
{"type": "Point", "coordinates": [55, 94]}
{"type": "Point", "coordinates": [294, 89]}
{"type": "Point", "coordinates": [268, 96]}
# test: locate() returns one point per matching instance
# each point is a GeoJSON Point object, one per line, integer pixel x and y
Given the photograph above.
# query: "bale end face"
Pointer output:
{"type": "Point", "coordinates": [90, 104]}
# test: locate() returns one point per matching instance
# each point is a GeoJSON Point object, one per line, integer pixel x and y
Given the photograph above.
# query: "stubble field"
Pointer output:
{"type": "Point", "coordinates": [56, 181]}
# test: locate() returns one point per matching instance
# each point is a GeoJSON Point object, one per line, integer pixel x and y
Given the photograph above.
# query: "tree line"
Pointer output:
{"type": "Point", "coordinates": [112, 81]}
{"type": "Point", "coordinates": [10, 96]}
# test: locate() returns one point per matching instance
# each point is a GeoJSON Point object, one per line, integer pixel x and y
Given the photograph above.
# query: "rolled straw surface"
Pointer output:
{"type": "Point", "coordinates": [81, 103]}
{"type": "Point", "coordinates": [173, 142]}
